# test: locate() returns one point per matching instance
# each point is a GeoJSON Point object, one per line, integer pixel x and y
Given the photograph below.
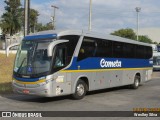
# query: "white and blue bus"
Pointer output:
{"type": "Point", "coordinates": [156, 57]}
{"type": "Point", "coordinates": [56, 63]}
{"type": "Point", "coordinates": [156, 61]}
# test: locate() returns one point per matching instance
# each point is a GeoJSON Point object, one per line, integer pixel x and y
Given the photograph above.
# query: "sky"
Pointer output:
{"type": "Point", "coordinates": [107, 15]}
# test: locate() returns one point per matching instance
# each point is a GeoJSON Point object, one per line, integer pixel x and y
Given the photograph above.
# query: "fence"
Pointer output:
{"type": "Point", "coordinates": [4, 43]}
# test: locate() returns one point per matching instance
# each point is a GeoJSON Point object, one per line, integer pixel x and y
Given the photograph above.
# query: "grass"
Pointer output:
{"type": "Point", "coordinates": [6, 71]}
{"type": "Point", "coordinates": [5, 88]}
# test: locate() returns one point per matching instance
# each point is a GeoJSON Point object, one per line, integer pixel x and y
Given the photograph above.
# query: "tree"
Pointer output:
{"type": "Point", "coordinates": [130, 34]}
{"type": "Point", "coordinates": [155, 43]}
{"type": "Point", "coordinates": [33, 19]}
{"type": "Point", "coordinates": [145, 39]}
{"type": "Point", "coordinates": [11, 22]}
{"type": "Point", "coordinates": [41, 27]}
{"type": "Point", "coordinates": [49, 26]}
{"type": "Point", "coordinates": [126, 33]}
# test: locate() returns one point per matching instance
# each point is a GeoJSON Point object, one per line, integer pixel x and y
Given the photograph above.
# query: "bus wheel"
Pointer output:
{"type": "Point", "coordinates": [80, 90]}
{"type": "Point", "coordinates": [136, 83]}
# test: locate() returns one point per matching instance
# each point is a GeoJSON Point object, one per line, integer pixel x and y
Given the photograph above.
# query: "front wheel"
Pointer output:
{"type": "Point", "coordinates": [80, 91]}
{"type": "Point", "coordinates": [136, 83]}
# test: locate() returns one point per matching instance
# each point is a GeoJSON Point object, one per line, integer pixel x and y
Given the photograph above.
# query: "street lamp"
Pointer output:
{"type": "Point", "coordinates": [138, 9]}
{"type": "Point", "coordinates": [90, 16]}
{"type": "Point", "coordinates": [54, 16]}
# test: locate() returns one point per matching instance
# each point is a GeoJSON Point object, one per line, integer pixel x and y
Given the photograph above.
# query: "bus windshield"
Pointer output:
{"type": "Point", "coordinates": [32, 59]}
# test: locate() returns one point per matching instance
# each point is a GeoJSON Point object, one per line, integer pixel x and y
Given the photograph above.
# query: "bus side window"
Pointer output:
{"type": "Point", "coordinates": [140, 52]}
{"type": "Point", "coordinates": [118, 49]}
{"type": "Point", "coordinates": [87, 49]}
{"type": "Point", "coordinates": [60, 57]}
{"type": "Point", "coordinates": [128, 49]}
{"type": "Point", "coordinates": [71, 45]}
{"type": "Point", "coordinates": [104, 48]}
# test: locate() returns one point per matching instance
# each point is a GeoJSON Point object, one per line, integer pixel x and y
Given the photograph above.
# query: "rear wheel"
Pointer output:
{"type": "Point", "coordinates": [136, 83]}
{"type": "Point", "coordinates": [80, 90]}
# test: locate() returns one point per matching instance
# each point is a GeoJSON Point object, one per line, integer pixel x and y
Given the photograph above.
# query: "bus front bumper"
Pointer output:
{"type": "Point", "coordinates": [40, 89]}
{"type": "Point", "coordinates": [45, 89]}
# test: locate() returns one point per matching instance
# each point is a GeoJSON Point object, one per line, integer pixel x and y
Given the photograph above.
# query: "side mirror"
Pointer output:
{"type": "Point", "coordinates": [53, 44]}
{"type": "Point", "coordinates": [10, 46]}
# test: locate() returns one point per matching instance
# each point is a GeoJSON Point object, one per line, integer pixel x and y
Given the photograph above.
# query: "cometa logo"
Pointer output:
{"type": "Point", "coordinates": [110, 64]}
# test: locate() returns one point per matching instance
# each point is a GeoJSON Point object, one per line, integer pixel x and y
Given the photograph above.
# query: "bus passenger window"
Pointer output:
{"type": "Point", "coordinates": [87, 49]}
{"type": "Point", "coordinates": [118, 50]}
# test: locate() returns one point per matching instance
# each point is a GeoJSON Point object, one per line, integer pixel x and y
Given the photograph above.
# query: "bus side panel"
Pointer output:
{"type": "Point", "coordinates": [128, 77]}
{"type": "Point", "coordinates": [61, 84]}
{"type": "Point", "coordinates": [102, 80]}
{"type": "Point", "coordinates": [149, 74]}
{"type": "Point", "coordinates": [116, 78]}
{"type": "Point", "coordinates": [75, 76]}
{"type": "Point", "coordinates": [143, 75]}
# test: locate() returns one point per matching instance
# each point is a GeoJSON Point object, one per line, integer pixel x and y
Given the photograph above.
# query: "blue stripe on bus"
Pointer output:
{"type": "Point", "coordinates": [94, 63]}
{"type": "Point", "coordinates": [27, 79]}
{"type": "Point", "coordinates": [38, 37]}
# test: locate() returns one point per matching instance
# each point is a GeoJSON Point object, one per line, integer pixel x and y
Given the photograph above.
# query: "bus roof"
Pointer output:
{"type": "Point", "coordinates": [58, 33]}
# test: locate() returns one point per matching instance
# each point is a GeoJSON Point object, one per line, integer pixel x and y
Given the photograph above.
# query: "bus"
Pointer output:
{"type": "Point", "coordinates": [156, 57]}
{"type": "Point", "coordinates": [73, 62]}
{"type": "Point", "coordinates": [156, 61]}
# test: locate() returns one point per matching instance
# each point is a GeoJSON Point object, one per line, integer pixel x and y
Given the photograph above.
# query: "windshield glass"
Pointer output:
{"type": "Point", "coordinates": [32, 59]}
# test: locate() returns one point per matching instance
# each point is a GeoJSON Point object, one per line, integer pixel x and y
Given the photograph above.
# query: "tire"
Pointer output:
{"type": "Point", "coordinates": [136, 83]}
{"type": "Point", "coordinates": [80, 90]}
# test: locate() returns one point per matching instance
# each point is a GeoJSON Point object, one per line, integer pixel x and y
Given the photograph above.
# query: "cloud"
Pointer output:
{"type": "Point", "coordinates": [107, 15]}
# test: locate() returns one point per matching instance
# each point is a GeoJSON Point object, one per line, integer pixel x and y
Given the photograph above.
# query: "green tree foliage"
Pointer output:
{"type": "Point", "coordinates": [145, 39]}
{"type": "Point", "coordinates": [33, 18]}
{"type": "Point", "coordinates": [11, 22]}
{"type": "Point", "coordinates": [41, 27]}
{"type": "Point", "coordinates": [130, 34]}
{"type": "Point", "coordinates": [126, 33]}
{"type": "Point", "coordinates": [155, 43]}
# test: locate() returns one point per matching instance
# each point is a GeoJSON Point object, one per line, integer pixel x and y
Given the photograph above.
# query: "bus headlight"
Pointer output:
{"type": "Point", "coordinates": [49, 80]}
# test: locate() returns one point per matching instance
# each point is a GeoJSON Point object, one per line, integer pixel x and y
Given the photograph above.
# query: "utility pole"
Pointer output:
{"type": "Point", "coordinates": [138, 9]}
{"type": "Point", "coordinates": [90, 16]}
{"type": "Point", "coordinates": [26, 21]}
{"type": "Point", "coordinates": [54, 16]}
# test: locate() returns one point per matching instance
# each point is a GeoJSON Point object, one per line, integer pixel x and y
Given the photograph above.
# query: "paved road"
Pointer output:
{"type": "Point", "coordinates": [117, 99]}
{"type": "Point", "coordinates": [156, 74]}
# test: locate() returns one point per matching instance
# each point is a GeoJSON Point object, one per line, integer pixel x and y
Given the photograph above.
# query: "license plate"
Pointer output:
{"type": "Point", "coordinates": [26, 91]}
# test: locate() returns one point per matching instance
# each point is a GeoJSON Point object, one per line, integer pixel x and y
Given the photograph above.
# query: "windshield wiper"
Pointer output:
{"type": "Point", "coordinates": [21, 65]}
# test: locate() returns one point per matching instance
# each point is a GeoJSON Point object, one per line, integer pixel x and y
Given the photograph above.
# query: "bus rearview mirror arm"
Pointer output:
{"type": "Point", "coordinates": [53, 44]}
{"type": "Point", "coordinates": [10, 46]}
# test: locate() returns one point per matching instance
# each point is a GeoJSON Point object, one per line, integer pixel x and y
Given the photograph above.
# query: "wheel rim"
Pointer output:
{"type": "Point", "coordinates": [137, 83]}
{"type": "Point", "coordinates": [80, 90]}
